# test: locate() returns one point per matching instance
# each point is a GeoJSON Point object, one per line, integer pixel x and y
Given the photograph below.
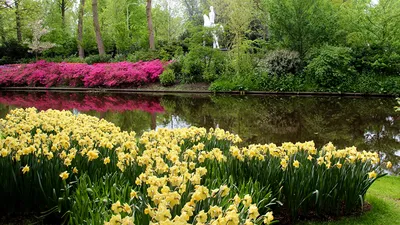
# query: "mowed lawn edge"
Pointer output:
{"type": "Point", "coordinates": [384, 197]}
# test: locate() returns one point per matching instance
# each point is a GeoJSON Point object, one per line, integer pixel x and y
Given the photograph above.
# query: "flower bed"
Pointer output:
{"type": "Point", "coordinates": [49, 74]}
{"type": "Point", "coordinates": [98, 174]}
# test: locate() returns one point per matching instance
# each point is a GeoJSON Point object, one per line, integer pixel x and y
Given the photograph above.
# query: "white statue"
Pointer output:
{"type": "Point", "coordinates": [212, 16]}
{"type": "Point", "coordinates": [209, 21]}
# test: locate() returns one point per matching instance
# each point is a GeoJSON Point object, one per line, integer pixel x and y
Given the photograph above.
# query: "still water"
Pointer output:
{"type": "Point", "coordinates": [368, 123]}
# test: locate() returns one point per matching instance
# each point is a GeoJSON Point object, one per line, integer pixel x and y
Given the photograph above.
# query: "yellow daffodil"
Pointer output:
{"type": "Point", "coordinates": [133, 194]}
{"type": "Point", "coordinates": [296, 164]}
{"type": "Point", "coordinates": [116, 207]}
{"type": "Point", "coordinates": [201, 217]}
{"type": "Point", "coordinates": [247, 200]}
{"type": "Point", "coordinates": [127, 208]}
{"type": "Point", "coordinates": [64, 175]}
{"type": "Point", "coordinates": [372, 175]}
{"type": "Point", "coordinates": [25, 169]}
{"type": "Point", "coordinates": [224, 190]}
{"type": "Point", "coordinates": [253, 212]}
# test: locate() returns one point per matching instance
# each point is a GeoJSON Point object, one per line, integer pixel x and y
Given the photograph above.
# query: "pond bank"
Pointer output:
{"type": "Point", "coordinates": [189, 89]}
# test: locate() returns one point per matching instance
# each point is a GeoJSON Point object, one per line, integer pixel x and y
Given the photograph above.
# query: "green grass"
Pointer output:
{"type": "Point", "coordinates": [384, 196]}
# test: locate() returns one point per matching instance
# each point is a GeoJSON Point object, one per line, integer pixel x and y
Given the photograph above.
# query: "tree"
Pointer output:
{"type": "Point", "coordinates": [99, 40]}
{"type": "Point", "coordinates": [63, 4]}
{"type": "Point", "coordinates": [368, 24]}
{"type": "Point", "coordinates": [37, 46]}
{"type": "Point", "coordinates": [150, 25]}
{"type": "Point", "coordinates": [80, 29]}
{"type": "Point", "coordinates": [302, 24]}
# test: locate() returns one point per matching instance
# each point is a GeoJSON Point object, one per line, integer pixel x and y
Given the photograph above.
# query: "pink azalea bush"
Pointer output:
{"type": "Point", "coordinates": [49, 74]}
{"type": "Point", "coordinates": [83, 103]}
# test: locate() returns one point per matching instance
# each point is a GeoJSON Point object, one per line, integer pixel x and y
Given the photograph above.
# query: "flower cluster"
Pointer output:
{"type": "Point", "coordinates": [328, 156]}
{"type": "Point", "coordinates": [189, 175]}
{"type": "Point", "coordinates": [49, 74]}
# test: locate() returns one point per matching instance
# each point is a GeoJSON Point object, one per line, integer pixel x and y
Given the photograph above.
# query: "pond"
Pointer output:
{"type": "Point", "coordinates": [368, 123]}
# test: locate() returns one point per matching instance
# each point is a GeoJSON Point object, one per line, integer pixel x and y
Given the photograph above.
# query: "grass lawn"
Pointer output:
{"type": "Point", "coordinates": [384, 196]}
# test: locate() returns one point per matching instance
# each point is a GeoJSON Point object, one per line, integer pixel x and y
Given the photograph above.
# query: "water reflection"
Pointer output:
{"type": "Point", "coordinates": [368, 123]}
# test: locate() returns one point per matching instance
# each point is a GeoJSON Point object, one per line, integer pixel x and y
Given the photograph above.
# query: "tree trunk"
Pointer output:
{"type": "Point", "coordinates": [63, 8]}
{"type": "Point", "coordinates": [80, 29]}
{"type": "Point", "coordinates": [96, 25]}
{"type": "Point", "coordinates": [2, 32]}
{"type": "Point", "coordinates": [18, 21]}
{"type": "Point", "coordinates": [150, 25]}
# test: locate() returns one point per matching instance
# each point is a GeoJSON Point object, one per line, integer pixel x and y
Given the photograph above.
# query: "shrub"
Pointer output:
{"type": "Point", "coordinates": [176, 66]}
{"type": "Point", "coordinates": [377, 59]}
{"type": "Point", "coordinates": [167, 78]}
{"type": "Point", "coordinates": [143, 56]}
{"type": "Point", "coordinates": [97, 59]}
{"type": "Point", "coordinates": [203, 64]}
{"type": "Point", "coordinates": [330, 68]}
{"type": "Point", "coordinates": [12, 51]}
{"type": "Point", "coordinates": [222, 85]}
{"type": "Point", "coordinates": [42, 73]}
{"type": "Point", "coordinates": [236, 83]}
{"type": "Point", "coordinates": [286, 83]}
{"type": "Point", "coordinates": [281, 62]}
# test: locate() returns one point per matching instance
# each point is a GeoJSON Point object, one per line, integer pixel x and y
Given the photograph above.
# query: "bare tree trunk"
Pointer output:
{"type": "Point", "coordinates": [2, 32]}
{"type": "Point", "coordinates": [63, 7]}
{"type": "Point", "coordinates": [18, 21]}
{"type": "Point", "coordinates": [80, 29]}
{"type": "Point", "coordinates": [96, 25]}
{"type": "Point", "coordinates": [150, 25]}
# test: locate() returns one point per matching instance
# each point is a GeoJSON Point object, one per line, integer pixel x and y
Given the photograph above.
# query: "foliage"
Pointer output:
{"type": "Point", "coordinates": [143, 55]}
{"type": "Point", "coordinates": [383, 197]}
{"type": "Point", "coordinates": [282, 62]}
{"type": "Point", "coordinates": [92, 199]}
{"type": "Point", "coordinates": [330, 68]}
{"type": "Point", "coordinates": [11, 51]}
{"type": "Point", "coordinates": [47, 74]}
{"type": "Point", "coordinates": [288, 83]}
{"type": "Point", "coordinates": [202, 64]}
{"type": "Point", "coordinates": [37, 46]}
{"type": "Point", "coordinates": [247, 30]}
{"type": "Point", "coordinates": [167, 78]}
{"type": "Point", "coordinates": [376, 59]}
{"type": "Point", "coordinates": [97, 59]}
{"type": "Point", "coordinates": [367, 83]}
{"type": "Point", "coordinates": [302, 24]}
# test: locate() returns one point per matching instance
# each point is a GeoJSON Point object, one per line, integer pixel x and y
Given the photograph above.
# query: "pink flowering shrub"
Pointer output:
{"type": "Point", "coordinates": [49, 74]}
{"type": "Point", "coordinates": [81, 102]}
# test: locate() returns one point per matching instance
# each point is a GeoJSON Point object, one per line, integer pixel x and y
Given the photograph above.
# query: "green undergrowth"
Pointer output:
{"type": "Point", "coordinates": [384, 197]}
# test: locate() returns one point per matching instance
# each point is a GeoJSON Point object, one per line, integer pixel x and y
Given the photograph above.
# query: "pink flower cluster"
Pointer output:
{"type": "Point", "coordinates": [49, 74]}
{"type": "Point", "coordinates": [81, 102]}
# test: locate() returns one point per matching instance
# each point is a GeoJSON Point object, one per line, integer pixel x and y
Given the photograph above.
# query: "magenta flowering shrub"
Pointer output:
{"type": "Point", "coordinates": [83, 103]}
{"type": "Point", "coordinates": [49, 74]}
